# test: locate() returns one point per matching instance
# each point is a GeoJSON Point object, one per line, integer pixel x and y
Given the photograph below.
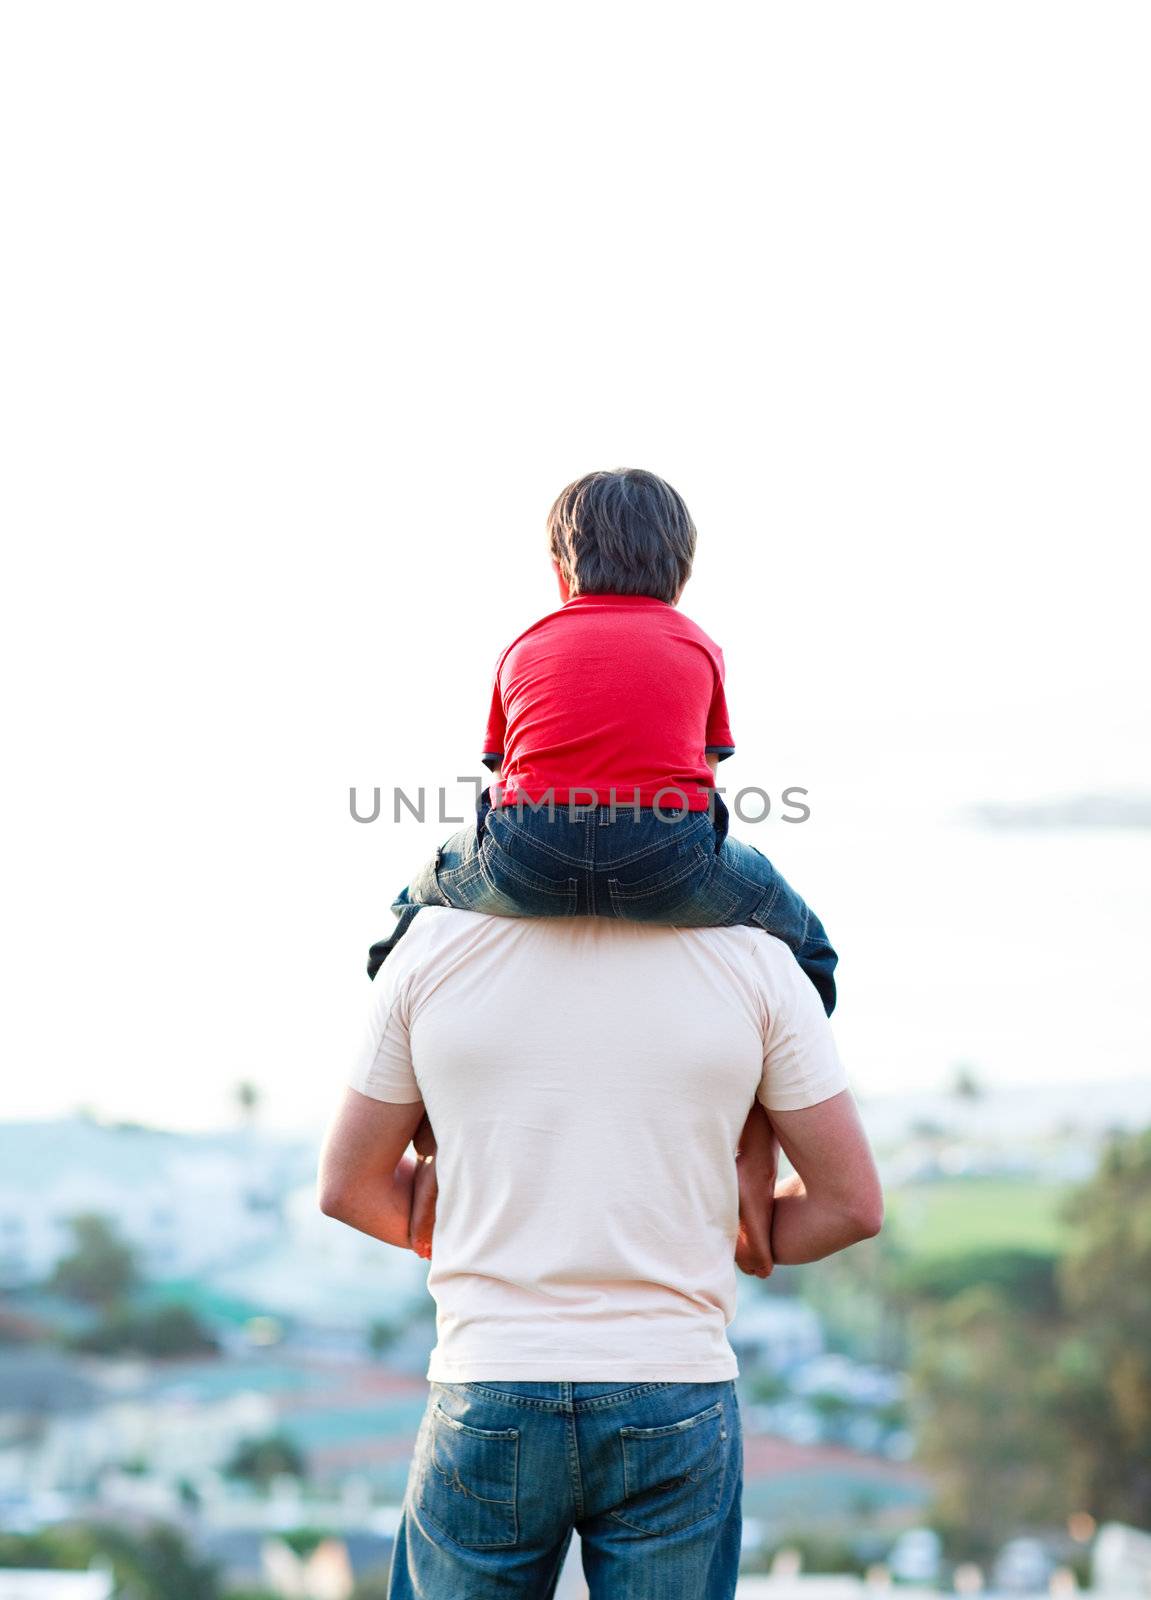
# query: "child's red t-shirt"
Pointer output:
{"type": "Point", "coordinates": [611, 692]}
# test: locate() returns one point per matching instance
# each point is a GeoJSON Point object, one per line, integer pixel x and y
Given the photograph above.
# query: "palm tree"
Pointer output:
{"type": "Point", "coordinates": [248, 1097]}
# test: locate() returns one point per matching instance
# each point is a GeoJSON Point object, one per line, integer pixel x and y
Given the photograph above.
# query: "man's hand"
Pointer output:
{"type": "Point", "coordinates": [425, 1189]}
{"type": "Point", "coordinates": [756, 1166]}
{"type": "Point", "coordinates": [424, 1138]}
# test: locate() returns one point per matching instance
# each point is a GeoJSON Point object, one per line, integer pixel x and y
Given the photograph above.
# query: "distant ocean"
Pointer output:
{"type": "Point", "coordinates": [1023, 954]}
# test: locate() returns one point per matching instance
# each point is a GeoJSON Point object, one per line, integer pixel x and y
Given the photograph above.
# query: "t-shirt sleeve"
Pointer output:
{"type": "Point", "coordinates": [496, 729]}
{"type": "Point", "coordinates": [801, 1064]}
{"type": "Point", "coordinates": [383, 1064]}
{"type": "Point", "coordinates": [718, 741]}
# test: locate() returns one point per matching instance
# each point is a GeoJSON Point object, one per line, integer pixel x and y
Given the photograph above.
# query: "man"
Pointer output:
{"type": "Point", "coordinates": [587, 1081]}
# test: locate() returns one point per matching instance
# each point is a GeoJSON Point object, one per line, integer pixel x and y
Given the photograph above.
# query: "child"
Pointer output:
{"type": "Point", "coordinates": [608, 720]}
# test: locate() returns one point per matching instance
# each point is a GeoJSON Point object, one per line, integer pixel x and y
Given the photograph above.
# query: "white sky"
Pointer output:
{"type": "Point", "coordinates": [309, 313]}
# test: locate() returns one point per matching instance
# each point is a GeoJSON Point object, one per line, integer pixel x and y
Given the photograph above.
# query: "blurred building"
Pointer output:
{"type": "Point", "coordinates": [33, 1584]}
{"type": "Point", "coordinates": [60, 1428]}
{"type": "Point", "coordinates": [321, 1273]}
{"type": "Point", "coordinates": [185, 1201]}
{"type": "Point", "coordinates": [775, 1330]}
{"type": "Point", "coordinates": [1121, 1560]}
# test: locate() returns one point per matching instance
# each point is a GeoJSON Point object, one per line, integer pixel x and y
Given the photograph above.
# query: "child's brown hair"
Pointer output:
{"type": "Point", "coordinates": [622, 532]}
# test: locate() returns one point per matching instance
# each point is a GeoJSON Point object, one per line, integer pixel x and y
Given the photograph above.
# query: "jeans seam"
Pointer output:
{"type": "Point", "coordinates": [652, 849]}
{"type": "Point", "coordinates": [622, 892]}
{"type": "Point", "coordinates": [751, 883]}
{"type": "Point", "coordinates": [670, 1429]}
{"type": "Point", "coordinates": [518, 873]}
{"type": "Point", "coordinates": [590, 824]}
{"type": "Point", "coordinates": [573, 1464]}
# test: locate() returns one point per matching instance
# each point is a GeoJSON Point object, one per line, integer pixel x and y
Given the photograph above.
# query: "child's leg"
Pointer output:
{"type": "Point", "coordinates": [687, 873]}
{"type": "Point", "coordinates": [778, 910]}
{"type": "Point", "coordinates": [424, 890]}
{"type": "Point", "coordinates": [475, 871]}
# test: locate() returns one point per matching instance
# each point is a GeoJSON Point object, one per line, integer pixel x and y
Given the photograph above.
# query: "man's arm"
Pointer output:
{"type": "Point", "coordinates": [834, 1198]}
{"type": "Point", "coordinates": [365, 1176]}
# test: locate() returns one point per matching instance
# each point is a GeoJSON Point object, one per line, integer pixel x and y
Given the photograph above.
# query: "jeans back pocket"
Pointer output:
{"type": "Point", "coordinates": [673, 1475]}
{"type": "Point", "coordinates": [467, 1485]}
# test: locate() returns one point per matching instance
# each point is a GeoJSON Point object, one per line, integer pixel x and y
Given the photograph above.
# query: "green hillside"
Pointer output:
{"type": "Point", "coordinates": [957, 1215]}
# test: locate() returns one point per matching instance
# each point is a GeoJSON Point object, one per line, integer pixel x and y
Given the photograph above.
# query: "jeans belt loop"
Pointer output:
{"type": "Point", "coordinates": [721, 820]}
{"type": "Point", "coordinates": [483, 806]}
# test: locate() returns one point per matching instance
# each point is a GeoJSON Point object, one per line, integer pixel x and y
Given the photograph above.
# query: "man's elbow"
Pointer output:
{"type": "Point", "coordinates": [332, 1201]}
{"type": "Point", "coordinates": [865, 1215]}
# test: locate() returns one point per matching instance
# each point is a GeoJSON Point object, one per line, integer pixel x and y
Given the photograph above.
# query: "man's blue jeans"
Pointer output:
{"type": "Point", "coordinates": [651, 1475]}
{"type": "Point", "coordinates": [567, 861]}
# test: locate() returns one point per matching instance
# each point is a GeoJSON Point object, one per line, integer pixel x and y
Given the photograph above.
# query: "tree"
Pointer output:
{"type": "Point", "coordinates": [372, 1586]}
{"type": "Point", "coordinates": [304, 1541]}
{"type": "Point", "coordinates": [261, 1460]}
{"type": "Point", "coordinates": [382, 1335]}
{"type": "Point", "coordinates": [1032, 1386]}
{"type": "Point", "coordinates": [856, 1293]}
{"type": "Point", "coordinates": [153, 1565]}
{"type": "Point", "coordinates": [248, 1099]}
{"type": "Point", "coordinates": [1105, 1280]}
{"type": "Point", "coordinates": [966, 1083]}
{"type": "Point", "coordinates": [157, 1564]}
{"type": "Point", "coordinates": [981, 1383]}
{"type": "Point", "coordinates": [100, 1268]}
{"type": "Point", "coordinates": [1027, 1279]}
{"type": "Point", "coordinates": [160, 1331]}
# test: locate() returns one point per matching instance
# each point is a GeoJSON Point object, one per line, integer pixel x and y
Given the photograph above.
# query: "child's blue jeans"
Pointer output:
{"type": "Point", "coordinates": [569, 861]}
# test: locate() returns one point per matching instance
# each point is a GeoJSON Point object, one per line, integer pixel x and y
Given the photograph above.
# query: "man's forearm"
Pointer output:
{"type": "Point", "coordinates": [383, 1211]}
{"type": "Point", "coordinates": [807, 1228]}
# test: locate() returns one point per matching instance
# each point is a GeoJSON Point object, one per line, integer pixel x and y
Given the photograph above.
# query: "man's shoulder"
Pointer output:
{"type": "Point", "coordinates": [433, 931]}
{"type": "Point", "coordinates": [755, 952]}
{"type": "Point", "coordinates": [619, 964]}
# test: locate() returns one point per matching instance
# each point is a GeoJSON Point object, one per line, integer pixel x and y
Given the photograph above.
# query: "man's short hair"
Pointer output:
{"type": "Point", "coordinates": [622, 532]}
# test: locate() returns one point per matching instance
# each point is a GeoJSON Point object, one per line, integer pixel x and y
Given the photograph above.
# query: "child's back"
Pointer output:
{"type": "Point", "coordinates": [613, 697]}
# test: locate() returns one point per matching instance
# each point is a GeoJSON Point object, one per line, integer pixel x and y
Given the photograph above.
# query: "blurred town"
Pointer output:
{"type": "Point", "coordinates": [210, 1391]}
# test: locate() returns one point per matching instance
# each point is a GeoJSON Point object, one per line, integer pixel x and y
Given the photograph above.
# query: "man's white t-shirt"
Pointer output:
{"type": "Point", "coordinates": [587, 1080]}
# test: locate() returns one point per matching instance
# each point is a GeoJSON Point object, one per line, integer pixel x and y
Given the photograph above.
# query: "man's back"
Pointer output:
{"type": "Point", "coordinates": [587, 1080]}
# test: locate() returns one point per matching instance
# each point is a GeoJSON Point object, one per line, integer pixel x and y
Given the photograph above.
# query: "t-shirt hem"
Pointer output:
{"type": "Point", "coordinates": [811, 1094]}
{"type": "Point", "coordinates": [367, 1084]}
{"type": "Point", "coordinates": [577, 1370]}
{"type": "Point", "coordinates": [669, 798]}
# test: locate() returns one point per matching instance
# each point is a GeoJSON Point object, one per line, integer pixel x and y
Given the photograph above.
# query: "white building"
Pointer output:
{"type": "Point", "coordinates": [185, 1201]}
{"type": "Point", "coordinates": [28, 1583]}
{"type": "Point", "coordinates": [1121, 1561]}
{"type": "Point", "coordinates": [776, 1330]}
{"type": "Point", "coordinates": [60, 1430]}
{"type": "Point", "coordinates": [326, 1273]}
